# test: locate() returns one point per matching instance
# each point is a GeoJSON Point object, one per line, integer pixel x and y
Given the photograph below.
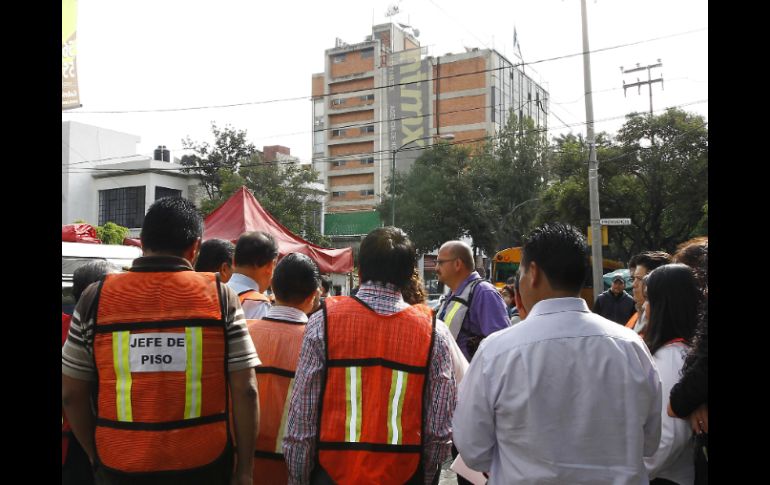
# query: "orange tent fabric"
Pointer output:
{"type": "Point", "coordinates": [242, 212]}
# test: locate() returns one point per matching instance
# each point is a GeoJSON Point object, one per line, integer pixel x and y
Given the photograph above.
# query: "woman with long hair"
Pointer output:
{"type": "Point", "coordinates": [673, 298]}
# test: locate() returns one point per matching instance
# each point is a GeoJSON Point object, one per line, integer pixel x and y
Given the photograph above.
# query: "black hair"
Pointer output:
{"type": "Point", "coordinates": [89, 273]}
{"type": "Point", "coordinates": [674, 298]}
{"type": "Point", "coordinates": [295, 278]}
{"type": "Point", "coordinates": [326, 282]}
{"type": "Point", "coordinates": [213, 253]}
{"type": "Point", "coordinates": [255, 248]}
{"type": "Point", "coordinates": [171, 226]}
{"type": "Point", "coordinates": [560, 252]}
{"type": "Point", "coordinates": [387, 255]}
{"type": "Point", "coordinates": [652, 259]}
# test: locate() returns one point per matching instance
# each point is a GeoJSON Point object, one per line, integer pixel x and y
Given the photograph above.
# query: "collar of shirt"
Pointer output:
{"type": "Point", "coordinates": [161, 263]}
{"type": "Point", "coordinates": [240, 283]}
{"type": "Point", "coordinates": [556, 305]}
{"type": "Point", "coordinates": [279, 312]}
{"type": "Point", "coordinates": [473, 276]}
{"type": "Point", "coordinates": [383, 298]}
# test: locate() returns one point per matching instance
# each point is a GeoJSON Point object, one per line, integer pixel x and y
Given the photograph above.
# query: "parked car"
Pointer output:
{"type": "Point", "coordinates": [74, 255]}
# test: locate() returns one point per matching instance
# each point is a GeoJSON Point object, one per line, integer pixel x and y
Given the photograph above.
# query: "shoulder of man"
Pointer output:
{"type": "Point", "coordinates": [230, 302]}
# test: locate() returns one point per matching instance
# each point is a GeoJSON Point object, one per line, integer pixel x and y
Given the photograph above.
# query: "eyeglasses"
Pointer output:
{"type": "Point", "coordinates": [439, 262]}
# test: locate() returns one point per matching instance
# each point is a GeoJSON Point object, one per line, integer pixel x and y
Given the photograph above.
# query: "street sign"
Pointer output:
{"type": "Point", "coordinates": [615, 222]}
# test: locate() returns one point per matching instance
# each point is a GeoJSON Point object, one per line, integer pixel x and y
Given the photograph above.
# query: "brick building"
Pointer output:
{"type": "Point", "coordinates": [381, 94]}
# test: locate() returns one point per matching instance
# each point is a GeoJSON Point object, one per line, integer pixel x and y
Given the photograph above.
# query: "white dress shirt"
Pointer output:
{"type": "Point", "coordinates": [253, 310]}
{"type": "Point", "coordinates": [673, 460]}
{"type": "Point", "coordinates": [565, 396]}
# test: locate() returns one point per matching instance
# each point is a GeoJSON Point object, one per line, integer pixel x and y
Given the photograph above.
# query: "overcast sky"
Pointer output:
{"type": "Point", "coordinates": [155, 55]}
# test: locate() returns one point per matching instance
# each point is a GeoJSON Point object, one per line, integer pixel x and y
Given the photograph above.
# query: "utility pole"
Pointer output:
{"type": "Point", "coordinates": [593, 165]}
{"type": "Point", "coordinates": [638, 84]}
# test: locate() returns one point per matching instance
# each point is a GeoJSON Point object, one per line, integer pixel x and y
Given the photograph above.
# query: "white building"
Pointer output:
{"type": "Point", "coordinates": [104, 179]}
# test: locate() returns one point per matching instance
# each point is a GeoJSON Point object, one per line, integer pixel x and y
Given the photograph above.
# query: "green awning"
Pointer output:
{"type": "Point", "coordinates": [351, 223]}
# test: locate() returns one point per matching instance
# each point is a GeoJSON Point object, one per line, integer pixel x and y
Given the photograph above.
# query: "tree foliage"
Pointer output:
{"type": "Point", "coordinates": [111, 233]}
{"type": "Point", "coordinates": [453, 191]}
{"type": "Point", "coordinates": [284, 189]}
{"type": "Point", "coordinates": [655, 171]}
{"type": "Point", "coordinates": [212, 162]}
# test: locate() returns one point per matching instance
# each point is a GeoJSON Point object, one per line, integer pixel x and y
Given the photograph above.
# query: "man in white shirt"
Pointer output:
{"type": "Point", "coordinates": [565, 396]}
{"type": "Point", "coordinates": [256, 254]}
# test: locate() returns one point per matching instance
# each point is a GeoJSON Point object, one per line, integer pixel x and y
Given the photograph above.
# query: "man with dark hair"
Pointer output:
{"type": "Point", "coordinates": [615, 304]}
{"type": "Point", "coordinates": [75, 466]}
{"type": "Point", "coordinates": [564, 396]}
{"type": "Point", "coordinates": [474, 308]}
{"type": "Point", "coordinates": [644, 262]}
{"type": "Point", "coordinates": [216, 256]}
{"type": "Point", "coordinates": [255, 256]}
{"type": "Point", "coordinates": [375, 385]}
{"type": "Point", "coordinates": [278, 339]}
{"type": "Point", "coordinates": [164, 346]}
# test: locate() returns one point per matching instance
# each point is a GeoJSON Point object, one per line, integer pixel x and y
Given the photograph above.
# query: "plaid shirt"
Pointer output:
{"type": "Point", "coordinates": [299, 441]}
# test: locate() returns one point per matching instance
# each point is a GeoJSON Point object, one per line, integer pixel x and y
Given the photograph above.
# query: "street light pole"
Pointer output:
{"type": "Point", "coordinates": [448, 136]}
{"type": "Point", "coordinates": [593, 165]}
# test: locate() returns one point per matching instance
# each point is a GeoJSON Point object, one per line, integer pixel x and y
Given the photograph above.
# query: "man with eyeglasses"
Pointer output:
{"type": "Point", "coordinates": [639, 265]}
{"type": "Point", "coordinates": [474, 308]}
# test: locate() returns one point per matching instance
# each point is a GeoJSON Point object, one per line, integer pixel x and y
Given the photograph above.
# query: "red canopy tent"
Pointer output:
{"type": "Point", "coordinates": [242, 213]}
{"type": "Point", "coordinates": [82, 233]}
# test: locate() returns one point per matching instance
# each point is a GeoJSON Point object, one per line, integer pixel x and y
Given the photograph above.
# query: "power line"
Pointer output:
{"type": "Point", "coordinates": [298, 98]}
{"type": "Point", "coordinates": [379, 152]}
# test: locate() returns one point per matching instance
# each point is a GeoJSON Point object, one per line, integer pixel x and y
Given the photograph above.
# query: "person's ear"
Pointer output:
{"type": "Point", "coordinates": [191, 254]}
{"type": "Point", "coordinates": [536, 275]}
{"type": "Point", "coordinates": [225, 272]}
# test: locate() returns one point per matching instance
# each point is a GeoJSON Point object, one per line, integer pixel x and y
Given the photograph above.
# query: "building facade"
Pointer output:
{"type": "Point", "coordinates": [387, 95]}
{"type": "Point", "coordinates": [105, 180]}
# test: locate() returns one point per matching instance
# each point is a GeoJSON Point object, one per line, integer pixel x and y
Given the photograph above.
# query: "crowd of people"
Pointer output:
{"type": "Point", "coordinates": [208, 363]}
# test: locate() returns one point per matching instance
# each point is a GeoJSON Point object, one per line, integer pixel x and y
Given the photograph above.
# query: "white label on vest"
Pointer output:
{"type": "Point", "coordinates": [157, 352]}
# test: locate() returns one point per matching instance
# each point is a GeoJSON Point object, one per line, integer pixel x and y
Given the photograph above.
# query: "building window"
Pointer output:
{"type": "Point", "coordinates": [368, 161]}
{"type": "Point", "coordinates": [161, 192]}
{"type": "Point", "coordinates": [340, 132]}
{"type": "Point", "coordinates": [367, 97]}
{"type": "Point", "coordinates": [339, 58]}
{"type": "Point", "coordinates": [368, 129]}
{"type": "Point", "coordinates": [367, 192]}
{"type": "Point", "coordinates": [338, 102]}
{"type": "Point", "coordinates": [338, 194]}
{"type": "Point", "coordinates": [124, 206]}
{"type": "Point", "coordinates": [367, 53]}
{"type": "Point", "coordinates": [338, 163]}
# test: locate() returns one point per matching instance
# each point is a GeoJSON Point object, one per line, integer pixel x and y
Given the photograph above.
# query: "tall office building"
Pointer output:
{"type": "Point", "coordinates": [386, 93]}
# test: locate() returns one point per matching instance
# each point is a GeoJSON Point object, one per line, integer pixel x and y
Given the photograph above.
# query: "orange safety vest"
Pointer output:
{"type": "Point", "coordinates": [160, 350]}
{"type": "Point", "coordinates": [372, 416]}
{"type": "Point", "coordinates": [278, 343]}
{"type": "Point", "coordinates": [632, 323]}
{"type": "Point", "coordinates": [252, 295]}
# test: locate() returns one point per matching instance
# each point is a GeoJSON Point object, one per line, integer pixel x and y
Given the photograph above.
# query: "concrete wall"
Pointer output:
{"type": "Point", "coordinates": [84, 147]}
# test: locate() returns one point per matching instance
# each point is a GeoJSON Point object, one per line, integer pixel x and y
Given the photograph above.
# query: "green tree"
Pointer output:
{"type": "Point", "coordinates": [111, 233]}
{"type": "Point", "coordinates": [655, 172]}
{"type": "Point", "coordinates": [505, 183]}
{"type": "Point", "coordinates": [211, 162]}
{"type": "Point", "coordinates": [285, 190]}
{"type": "Point", "coordinates": [431, 198]}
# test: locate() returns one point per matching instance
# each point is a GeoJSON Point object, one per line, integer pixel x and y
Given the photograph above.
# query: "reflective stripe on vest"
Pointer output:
{"type": "Point", "coordinates": [194, 347]}
{"type": "Point", "coordinates": [160, 407]}
{"type": "Point", "coordinates": [123, 375]}
{"type": "Point", "coordinates": [353, 404]}
{"type": "Point", "coordinates": [396, 406]}
{"type": "Point", "coordinates": [456, 308]}
{"type": "Point", "coordinates": [372, 402]}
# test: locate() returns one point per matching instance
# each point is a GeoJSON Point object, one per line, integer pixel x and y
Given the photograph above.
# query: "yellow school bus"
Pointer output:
{"type": "Point", "coordinates": [506, 263]}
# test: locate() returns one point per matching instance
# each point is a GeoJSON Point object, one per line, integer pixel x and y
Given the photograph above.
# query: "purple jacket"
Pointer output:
{"type": "Point", "coordinates": [487, 313]}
